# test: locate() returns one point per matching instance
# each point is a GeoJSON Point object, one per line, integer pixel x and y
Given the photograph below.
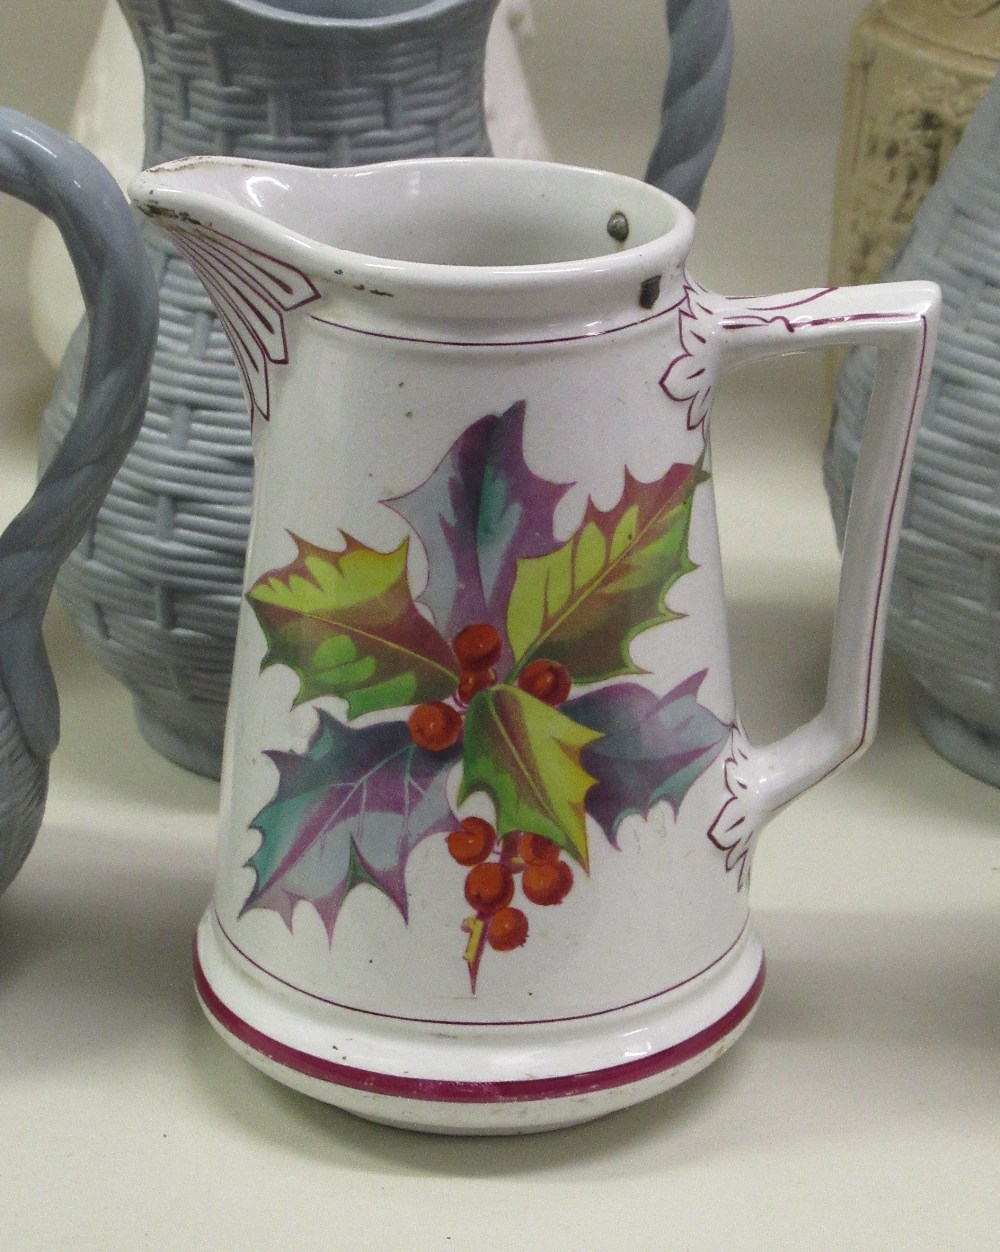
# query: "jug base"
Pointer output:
{"type": "Point", "coordinates": [178, 733]}
{"type": "Point", "coordinates": [973, 749]}
{"type": "Point", "coordinates": [251, 1017]}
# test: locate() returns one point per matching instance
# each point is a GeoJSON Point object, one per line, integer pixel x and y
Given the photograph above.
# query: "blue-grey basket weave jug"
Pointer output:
{"type": "Point", "coordinates": [156, 585]}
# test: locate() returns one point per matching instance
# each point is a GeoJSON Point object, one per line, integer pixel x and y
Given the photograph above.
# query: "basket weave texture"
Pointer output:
{"type": "Point", "coordinates": [155, 586]}
{"type": "Point", "coordinates": [944, 616]}
{"type": "Point", "coordinates": [23, 786]}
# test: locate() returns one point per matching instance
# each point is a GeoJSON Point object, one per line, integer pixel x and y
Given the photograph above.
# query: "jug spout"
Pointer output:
{"type": "Point", "coordinates": [246, 231]}
{"type": "Point", "coordinates": [253, 197]}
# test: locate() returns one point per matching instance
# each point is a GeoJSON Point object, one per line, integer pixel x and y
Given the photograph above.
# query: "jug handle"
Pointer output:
{"type": "Point", "coordinates": [900, 321]}
{"type": "Point", "coordinates": [694, 97]}
{"type": "Point", "coordinates": [64, 181]}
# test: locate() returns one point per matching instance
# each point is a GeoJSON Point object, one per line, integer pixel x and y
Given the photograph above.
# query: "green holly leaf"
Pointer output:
{"type": "Point", "coordinates": [347, 625]}
{"type": "Point", "coordinates": [526, 756]}
{"type": "Point", "coordinates": [584, 603]}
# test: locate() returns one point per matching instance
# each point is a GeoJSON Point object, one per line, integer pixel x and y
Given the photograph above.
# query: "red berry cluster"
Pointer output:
{"type": "Point", "coordinates": [437, 726]}
{"type": "Point", "coordinates": [489, 885]}
{"type": "Point", "coordinates": [492, 864]}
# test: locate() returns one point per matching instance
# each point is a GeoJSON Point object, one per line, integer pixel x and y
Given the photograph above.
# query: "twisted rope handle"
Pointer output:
{"type": "Point", "coordinates": [694, 98]}
{"type": "Point", "coordinates": [65, 182]}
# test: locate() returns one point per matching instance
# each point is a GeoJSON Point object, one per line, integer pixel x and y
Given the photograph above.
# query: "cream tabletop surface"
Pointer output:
{"type": "Point", "coordinates": [861, 1109]}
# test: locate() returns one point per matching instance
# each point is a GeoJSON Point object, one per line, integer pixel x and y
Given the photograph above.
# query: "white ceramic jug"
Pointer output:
{"type": "Point", "coordinates": [488, 810]}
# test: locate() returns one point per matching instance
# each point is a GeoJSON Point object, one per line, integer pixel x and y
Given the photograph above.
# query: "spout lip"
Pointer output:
{"type": "Point", "coordinates": [237, 197]}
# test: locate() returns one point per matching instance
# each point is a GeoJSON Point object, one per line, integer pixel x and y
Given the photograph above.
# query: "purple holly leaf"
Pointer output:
{"type": "Point", "coordinates": [480, 512]}
{"type": "Point", "coordinates": [652, 747]}
{"type": "Point", "coordinates": [347, 811]}
{"type": "Point", "coordinates": [516, 511]}
{"type": "Point", "coordinates": [444, 512]}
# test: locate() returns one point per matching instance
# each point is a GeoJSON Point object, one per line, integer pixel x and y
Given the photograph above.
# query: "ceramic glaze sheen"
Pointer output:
{"type": "Point", "coordinates": [488, 809]}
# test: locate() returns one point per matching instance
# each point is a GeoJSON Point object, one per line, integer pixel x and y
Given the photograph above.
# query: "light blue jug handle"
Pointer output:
{"type": "Point", "coordinates": [694, 97]}
{"type": "Point", "coordinates": [65, 182]}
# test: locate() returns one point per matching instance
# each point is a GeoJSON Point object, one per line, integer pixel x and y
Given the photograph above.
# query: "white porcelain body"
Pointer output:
{"type": "Point", "coordinates": [405, 304]}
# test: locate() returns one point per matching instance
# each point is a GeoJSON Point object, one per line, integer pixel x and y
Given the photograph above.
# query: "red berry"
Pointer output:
{"type": "Point", "coordinates": [548, 883]}
{"type": "Point", "coordinates": [473, 680]}
{"type": "Point", "coordinates": [536, 849]}
{"type": "Point", "coordinates": [489, 887]}
{"type": "Point", "coordinates": [435, 726]}
{"type": "Point", "coordinates": [477, 646]}
{"type": "Point", "coordinates": [509, 851]}
{"type": "Point", "coordinates": [480, 824]}
{"type": "Point", "coordinates": [508, 929]}
{"type": "Point", "coordinates": [472, 842]}
{"type": "Point", "coordinates": [545, 680]}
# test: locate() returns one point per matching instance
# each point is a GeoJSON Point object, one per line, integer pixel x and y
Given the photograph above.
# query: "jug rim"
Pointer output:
{"type": "Point", "coordinates": [235, 198]}
{"type": "Point", "coordinates": [318, 23]}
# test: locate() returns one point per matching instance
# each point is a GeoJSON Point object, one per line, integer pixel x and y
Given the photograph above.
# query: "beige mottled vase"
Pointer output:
{"type": "Point", "coordinates": [918, 69]}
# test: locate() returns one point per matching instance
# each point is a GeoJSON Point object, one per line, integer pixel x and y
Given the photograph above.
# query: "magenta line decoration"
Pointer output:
{"type": "Point", "coordinates": [251, 292]}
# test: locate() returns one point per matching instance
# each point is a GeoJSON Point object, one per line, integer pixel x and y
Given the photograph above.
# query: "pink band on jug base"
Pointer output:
{"type": "Point", "coordinates": [451, 1092]}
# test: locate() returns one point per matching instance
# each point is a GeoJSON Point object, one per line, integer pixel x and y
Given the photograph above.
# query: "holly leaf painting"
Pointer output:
{"type": "Point", "coordinates": [525, 755]}
{"type": "Point", "coordinates": [516, 511]}
{"type": "Point", "coordinates": [652, 748]}
{"type": "Point", "coordinates": [584, 603]}
{"type": "Point", "coordinates": [479, 512]}
{"type": "Point", "coordinates": [545, 748]}
{"type": "Point", "coordinates": [444, 512]}
{"type": "Point", "coordinates": [347, 625]}
{"type": "Point", "coordinates": [347, 811]}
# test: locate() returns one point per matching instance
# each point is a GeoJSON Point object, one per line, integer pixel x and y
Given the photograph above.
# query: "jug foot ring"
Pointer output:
{"type": "Point", "coordinates": [973, 750]}
{"type": "Point", "coordinates": [528, 1105]}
